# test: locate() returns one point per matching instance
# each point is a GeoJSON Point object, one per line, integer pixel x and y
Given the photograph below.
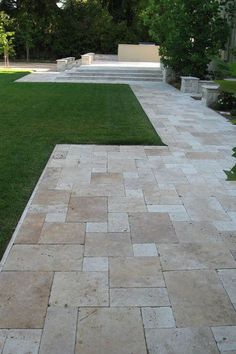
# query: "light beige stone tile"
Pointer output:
{"type": "Point", "coordinates": [135, 272]}
{"type": "Point", "coordinates": [126, 205]}
{"type": "Point", "coordinates": [185, 256]}
{"type": "Point", "coordinates": [225, 338]}
{"type": "Point", "coordinates": [121, 165]}
{"type": "Point", "coordinates": [51, 197]}
{"type": "Point", "coordinates": [156, 196]}
{"type": "Point", "coordinates": [66, 233]}
{"type": "Point", "coordinates": [87, 209]}
{"type": "Point", "coordinates": [30, 229]}
{"type": "Point", "coordinates": [80, 289]}
{"type": "Point", "coordinates": [97, 190]}
{"type": "Point", "coordinates": [228, 278]}
{"type": "Point", "coordinates": [108, 244]}
{"type": "Point", "coordinates": [228, 202]}
{"type": "Point", "coordinates": [145, 250]}
{"type": "Point", "coordinates": [96, 227]}
{"type": "Point", "coordinates": [95, 264]}
{"type": "Point", "coordinates": [106, 178]}
{"type": "Point", "coordinates": [181, 341]}
{"type": "Point", "coordinates": [194, 231]}
{"type": "Point", "coordinates": [152, 227]}
{"type": "Point", "coordinates": [205, 209]}
{"type": "Point", "coordinates": [45, 258]}
{"type": "Point", "coordinates": [118, 222]}
{"type": "Point", "coordinates": [139, 297]}
{"type": "Point", "coordinates": [158, 317]}
{"type": "Point", "coordinates": [24, 299]}
{"type": "Point", "coordinates": [199, 299]}
{"type": "Point", "coordinates": [59, 331]}
{"type": "Point", "coordinates": [111, 330]}
{"type": "Point", "coordinates": [22, 341]}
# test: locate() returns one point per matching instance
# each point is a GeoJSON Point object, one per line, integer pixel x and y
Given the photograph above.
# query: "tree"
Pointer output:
{"type": "Point", "coordinates": [190, 32]}
{"type": "Point", "coordinates": [6, 37]}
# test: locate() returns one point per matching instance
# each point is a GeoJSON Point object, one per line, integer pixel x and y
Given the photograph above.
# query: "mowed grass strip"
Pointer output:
{"type": "Point", "coordinates": [35, 117]}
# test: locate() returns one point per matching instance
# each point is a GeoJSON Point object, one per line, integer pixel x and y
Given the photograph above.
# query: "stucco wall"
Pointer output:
{"type": "Point", "coordinates": [140, 53]}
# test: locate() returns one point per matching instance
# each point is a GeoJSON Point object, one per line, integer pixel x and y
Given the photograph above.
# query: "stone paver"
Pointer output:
{"type": "Point", "coordinates": [24, 299]}
{"type": "Point", "coordinates": [181, 341]}
{"type": "Point", "coordinates": [129, 249]}
{"type": "Point", "coordinates": [199, 299]}
{"type": "Point", "coordinates": [111, 330]}
{"type": "Point", "coordinates": [80, 289]}
{"type": "Point", "coordinates": [59, 331]}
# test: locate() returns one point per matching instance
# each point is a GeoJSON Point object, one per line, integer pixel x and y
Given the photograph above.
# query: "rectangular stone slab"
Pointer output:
{"type": "Point", "coordinates": [24, 299]}
{"type": "Point", "coordinates": [152, 227]}
{"type": "Point", "coordinates": [135, 272]}
{"type": "Point", "coordinates": [111, 330]}
{"type": "Point", "coordinates": [80, 289]}
{"type": "Point", "coordinates": [199, 299]}
{"type": "Point", "coordinates": [181, 341]}
{"type": "Point", "coordinates": [45, 258]}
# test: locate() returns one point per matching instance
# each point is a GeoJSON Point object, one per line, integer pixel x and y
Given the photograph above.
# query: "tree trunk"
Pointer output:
{"type": "Point", "coordinates": [27, 52]}
{"type": "Point", "coordinates": [6, 58]}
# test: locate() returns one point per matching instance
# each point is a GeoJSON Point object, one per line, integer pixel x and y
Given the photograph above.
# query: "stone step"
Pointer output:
{"type": "Point", "coordinates": [115, 74]}
{"type": "Point", "coordinates": [106, 79]}
{"type": "Point", "coordinates": [121, 71]}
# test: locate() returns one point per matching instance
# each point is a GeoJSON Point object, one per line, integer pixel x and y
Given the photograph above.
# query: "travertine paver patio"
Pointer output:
{"type": "Point", "coordinates": [129, 249]}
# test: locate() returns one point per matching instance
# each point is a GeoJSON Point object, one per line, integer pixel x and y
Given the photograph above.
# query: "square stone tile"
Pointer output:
{"type": "Point", "coordinates": [185, 256]}
{"type": "Point", "coordinates": [24, 299]}
{"type": "Point", "coordinates": [135, 272]}
{"type": "Point", "coordinates": [138, 297]}
{"type": "Point", "coordinates": [228, 278]}
{"type": "Point", "coordinates": [80, 289]}
{"type": "Point", "coordinates": [194, 231]}
{"type": "Point", "coordinates": [51, 197]}
{"type": "Point", "coordinates": [95, 264]}
{"type": "Point", "coordinates": [108, 244]}
{"type": "Point", "coordinates": [111, 330]}
{"type": "Point", "coordinates": [45, 258]}
{"type": "Point", "coordinates": [152, 227]}
{"type": "Point", "coordinates": [59, 331]}
{"type": "Point", "coordinates": [56, 233]}
{"type": "Point", "coordinates": [118, 222]}
{"type": "Point", "coordinates": [87, 209]}
{"type": "Point", "coordinates": [225, 338]}
{"type": "Point", "coordinates": [158, 317]}
{"type": "Point", "coordinates": [106, 178]}
{"type": "Point", "coordinates": [145, 250]}
{"type": "Point", "coordinates": [199, 299]}
{"type": "Point", "coordinates": [96, 227]}
{"type": "Point", "coordinates": [181, 341]}
{"type": "Point", "coordinates": [22, 341]}
{"type": "Point", "coordinates": [30, 230]}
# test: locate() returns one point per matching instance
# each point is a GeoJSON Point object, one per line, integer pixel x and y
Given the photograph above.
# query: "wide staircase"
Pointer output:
{"type": "Point", "coordinates": [111, 74]}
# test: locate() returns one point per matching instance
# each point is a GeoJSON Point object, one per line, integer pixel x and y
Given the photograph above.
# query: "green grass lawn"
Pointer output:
{"type": "Point", "coordinates": [35, 117]}
{"type": "Point", "coordinates": [226, 85]}
{"type": "Point", "coordinates": [232, 67]}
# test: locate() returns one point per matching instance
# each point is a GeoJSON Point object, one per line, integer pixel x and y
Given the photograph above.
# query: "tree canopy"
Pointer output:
{"type": "Point", "coordinates": [190, 32]}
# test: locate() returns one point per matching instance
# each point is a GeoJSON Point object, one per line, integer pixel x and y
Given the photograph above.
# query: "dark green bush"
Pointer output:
{"type": "Point", "coordinates": [226, 101]}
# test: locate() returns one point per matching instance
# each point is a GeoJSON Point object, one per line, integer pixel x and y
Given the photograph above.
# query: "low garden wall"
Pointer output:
{"type": "Point", "coordinates": [138, 53]}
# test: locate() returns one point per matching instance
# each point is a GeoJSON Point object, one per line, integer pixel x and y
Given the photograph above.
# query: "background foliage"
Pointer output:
{"type": "Point", "coordinates": [46, 31]}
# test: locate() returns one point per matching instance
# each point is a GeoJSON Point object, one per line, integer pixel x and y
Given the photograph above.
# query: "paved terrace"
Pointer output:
{"type": "Point", "coordinates": [129, 249]}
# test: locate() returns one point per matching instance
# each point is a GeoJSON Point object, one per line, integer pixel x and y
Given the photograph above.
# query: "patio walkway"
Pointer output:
{"type": "Point", "coordinates": [129, 249]}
